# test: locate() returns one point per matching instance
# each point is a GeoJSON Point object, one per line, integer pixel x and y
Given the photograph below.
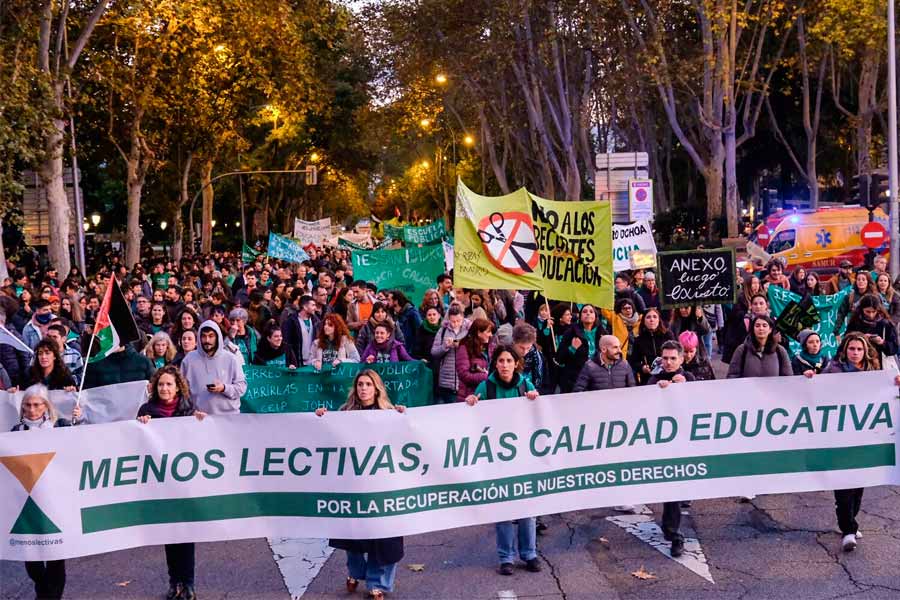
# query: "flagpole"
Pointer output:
{"type": "Point", "coordinates": [84, 370]}
{"type": "Point", "coordinates": [550, 320]}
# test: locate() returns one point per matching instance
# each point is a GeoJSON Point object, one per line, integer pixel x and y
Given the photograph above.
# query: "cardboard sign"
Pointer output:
{"type": "Point", "coordinates": [692, 277]}
{"type": "Point", "coordinates": [627, 239]}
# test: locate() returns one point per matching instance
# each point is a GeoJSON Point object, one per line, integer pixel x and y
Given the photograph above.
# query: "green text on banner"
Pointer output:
{"type": "Point", "coordinates": [280, 390]}
{"type": "Point", "coordinates": [370, 474]}
{"type": "Point", "coordinates": [575, 241]}
{"type": "Point", "coordinates": [410, 270]}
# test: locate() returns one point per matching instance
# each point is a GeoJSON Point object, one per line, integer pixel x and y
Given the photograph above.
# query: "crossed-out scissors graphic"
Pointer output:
{"type": "Point", "coordinates": [498, 243]}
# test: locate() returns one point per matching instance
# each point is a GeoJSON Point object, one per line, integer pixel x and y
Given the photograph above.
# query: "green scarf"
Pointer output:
{"type": "Point", "coordinates": [430, 328]}
{"type": "Point", "coordinates": [815, 360]}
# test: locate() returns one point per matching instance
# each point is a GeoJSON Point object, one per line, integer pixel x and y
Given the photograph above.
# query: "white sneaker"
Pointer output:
{"type": "Point", "coordinates": [848, 543]}
{"type": "Point", "coordinates": [626, 508]}
{"type": "Point", "coordinates": [858, 534]}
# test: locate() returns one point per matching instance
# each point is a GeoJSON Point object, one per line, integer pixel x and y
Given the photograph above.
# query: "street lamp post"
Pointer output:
{"type": "Point", "coordinates": [892, 144]}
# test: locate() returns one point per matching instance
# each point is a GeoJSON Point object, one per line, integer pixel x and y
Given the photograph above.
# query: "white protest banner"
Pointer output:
{"type": "Point", "coordinates": [312, 232]}
{"type": "Point", "coordinates": [89, 489]}
{"type": "Point", "coordinates": [448, 254]}
{"type": "Point", "coordinates": [628, 238]}
{"type": "Point", "coordinates": [105, 404]}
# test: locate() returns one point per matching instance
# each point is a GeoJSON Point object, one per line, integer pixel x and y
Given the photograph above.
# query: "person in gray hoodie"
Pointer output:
{"type": "Point", "coordinates": [214, 374]}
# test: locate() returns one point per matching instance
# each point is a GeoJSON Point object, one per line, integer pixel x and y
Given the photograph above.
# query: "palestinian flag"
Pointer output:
{"type": "Point", "coordinates": [115, 325]}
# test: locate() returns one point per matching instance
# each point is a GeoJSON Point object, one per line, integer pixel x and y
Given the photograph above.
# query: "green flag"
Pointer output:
{"type": "Point", "coordinates": [780, 299]}
{"type": "Point", "coordinates": [248, 254]}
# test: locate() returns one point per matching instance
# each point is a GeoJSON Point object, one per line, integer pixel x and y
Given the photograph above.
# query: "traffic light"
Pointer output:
{"type": "Point", "coordinates": [869, 190]}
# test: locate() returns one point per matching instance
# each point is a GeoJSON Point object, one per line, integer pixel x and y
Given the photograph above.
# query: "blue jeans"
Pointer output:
{"type": "Point", "coordinates": [707, 341]}
{"type": "Point", "coordinates": [377, 577]}
{"type": "Point", "coordinates": [506, 535]}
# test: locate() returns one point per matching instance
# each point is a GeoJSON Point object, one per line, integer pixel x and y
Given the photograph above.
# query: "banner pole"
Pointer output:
{"type": "Point", "coordinates": [552, 333]}
{"type": "Point", "coordinates": [84, 371]}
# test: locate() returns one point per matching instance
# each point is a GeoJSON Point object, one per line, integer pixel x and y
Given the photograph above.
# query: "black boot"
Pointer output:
{"type": "Point", "coordinates": [187, 592]}
{"type": "Point", "coordinates": [174, 590]}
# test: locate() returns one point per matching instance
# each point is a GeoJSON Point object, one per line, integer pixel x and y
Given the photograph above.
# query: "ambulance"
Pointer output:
{"type": "Point", "coordinates": [820, 239]}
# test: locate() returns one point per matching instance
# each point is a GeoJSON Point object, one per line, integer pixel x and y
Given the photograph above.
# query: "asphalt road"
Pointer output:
{"type": "Point", "coordinates": [780, 546]}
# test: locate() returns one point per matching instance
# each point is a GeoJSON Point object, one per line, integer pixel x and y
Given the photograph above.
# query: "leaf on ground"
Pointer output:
{"type": "Point", "coordinates": [123, 583]}
{"type": "Point", "coordinates": [416, 568]}
{"type": "Point", "coordinates": [643, 574]}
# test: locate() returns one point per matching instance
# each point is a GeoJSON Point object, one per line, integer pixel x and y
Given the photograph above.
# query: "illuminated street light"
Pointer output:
{"type": "Point", "coordinates": [212, 223]}
{"type": "Point", "coordinates": [86, 225]}
{"type": "Point", "coordinates": [163, 225]}
{"type": "Point", "coordinates": [440, 78]}
{"type": "Point", "coordinates": [314, 157]}
{"type": "Point", "coordinates": [469, 141]}
{"type": "Point", "coordinates": [425, 164]}
{"type": "Point", "coordinates": [95, 219]}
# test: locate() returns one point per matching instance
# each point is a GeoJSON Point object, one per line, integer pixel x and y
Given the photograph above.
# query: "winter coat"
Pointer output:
{"type": "Point", "coordinates": [800, 365]}
{"type": "Point", "coordinates": [699, 368]}
{"type": "Point", "coordinates": [629, 293]}
{"type": "Point", "coordinates": [651, 299]}
{"type": "Point", "coordinates": [647, 348]}
{"type": "Point", "coordinates": [666, 376]}
{"type": "Point", "coordinates": [881, 328]}
{"type": "Point", "coordinates": [735, 331]}
{"type": "Point", "coordinates": [201, 369]}
{"type": "Point", "coordinates": [596, 375]}
{"type": "Point", "coordinates": [747, 362]}
{"type": "Point", "coordinates": [492, 388]}
{"type": "Point", "coordinates": [367, 334]}
{"type": "Point", "coordinates": [153, 410]}
{"type": "Point", "coordinates": [294, 334]}
{"type": "Point", "coordinates": [248, 344]}
{"type": "Point", "coordinates": [408, 322]}
{"type": "Point", "coordinates": [470, 371]}
{"type": "Point", "coordinates": [266, 355]}
{"type": "Point", "coordinates": [60, 422]}
{"type": "Point", "coordinates": [346, 353]}
{"type": "Point", "coordinates": [570, 359]}
{"type": "Point", "coordinates": [394, 350]}
{"type": "Point", "coordinates": [119, 367]}
{"type": "Point", "coordinates": [424, 342]}
{"type": "Point", "coordinates": [621, 329]}
{"type": "Point", "coordinates": [445, 358]}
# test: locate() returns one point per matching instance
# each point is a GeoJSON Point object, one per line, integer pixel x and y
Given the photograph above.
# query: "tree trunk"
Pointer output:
{"type": "Point", "coordinates": [57, 203]}
{"type": "Point", "coordinates": [732, 196]}
{"type": "Point", "coordinates": [135, 185]}
{"type": "Point", "coordinates": [867, 102]}
{"type": "Point", "coordinates": [713, 179]}
{"type": "Point", "coordinates": [183, 199]}
{"type": "Point", "coordinates": [206, 220]}
{"type": "Point", "coordinates": [4, 271]}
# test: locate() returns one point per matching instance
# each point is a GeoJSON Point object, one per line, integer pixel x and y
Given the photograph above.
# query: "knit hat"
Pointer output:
{"type": "Point", "coordinates": [688, 340]}
{"type": "Point", "coordinates": [804, 335]}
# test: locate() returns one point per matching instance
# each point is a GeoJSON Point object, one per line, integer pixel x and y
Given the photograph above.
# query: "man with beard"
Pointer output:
{"type": "Point", "coordinates": [214, 374]}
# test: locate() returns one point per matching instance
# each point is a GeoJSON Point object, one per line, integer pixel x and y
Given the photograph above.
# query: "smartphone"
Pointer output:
{"type": "Point", "coordinates": [210, 386]}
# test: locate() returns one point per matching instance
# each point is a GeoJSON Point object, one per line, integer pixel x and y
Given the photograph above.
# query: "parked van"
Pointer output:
{"type": "Point", "coordinates": [819, 240]}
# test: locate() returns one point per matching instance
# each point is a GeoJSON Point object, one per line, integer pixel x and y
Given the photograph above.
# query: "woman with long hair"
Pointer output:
{"type": "Point", "coordinates": [372, 561]}
{"type": "Point", "coordinates": [187, 319]}
{"type": "Point", "coordinates": [506, 381]}
{"type": "Point", "coordinates": [889, 297]}
{"type": "Point", "coordinates": [862, 285]}
{"type": "Point", "coordinates": [652, 334]}
{"type": "Point", "coordinates": [380, 314]}
{"type": "Point", "coordinates": [578, 346]}
{"type": "Point", "coordinates": [871, 319]}
{"type": "Point", "coordinates": [472, 358]}
{"type": "Point", "coordinates": [813, 286]}
{"type": "Point", "coordinates": [334, 344]}
{"type": "Point", "coordinates": [798, 281]}
{"type": "Point", "coordinates": [160, 349]}
{"type": "Point", "coordinates": [854, 354]}
{"type": "Point", "coordinates": [431, 299]}
{"type": "Point", "coordinates": [159, 318]}
{"type": "Point", "coordinates": [760, 355]}
{"type": "Point", "coordinates": [38, 412]}
{"type": "Point", "coordinates": [186, 345]}
{"type": "Point", "coordinates": [272, 351]}
{"type": "Point", "coordinates": [49, 369]}
{"type": "Point", "coordinates": [168, 395]}
{"type": "Point", "coordinates": [735, 331]}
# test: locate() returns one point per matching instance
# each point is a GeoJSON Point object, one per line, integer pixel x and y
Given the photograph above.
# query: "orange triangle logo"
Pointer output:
{"type": "Point", "coordinates": [27, 468]}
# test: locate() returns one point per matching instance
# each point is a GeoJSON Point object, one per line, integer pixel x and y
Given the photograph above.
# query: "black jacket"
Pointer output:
{"type": "Point", "coordinates": [571, 363]}
{"type": "Point", "coordinates": [21, 426]}
{"type": "Point", "coordinates": [882, 328]}
{"type": "Point", "coordinates": [646, 348]}
{"type": "Point", "coordinates": [664, 376]}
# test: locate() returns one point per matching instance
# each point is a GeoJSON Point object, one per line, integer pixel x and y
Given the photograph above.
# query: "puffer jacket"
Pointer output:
{"type": "Point", "coordinates": [445, 358]}
{"type": "Point", "coordinates": [470, 371]}
{"type": "Point", "coordinates": [595, 375]}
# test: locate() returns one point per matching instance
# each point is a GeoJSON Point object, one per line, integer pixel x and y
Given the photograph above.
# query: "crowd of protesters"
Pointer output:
{"type": "Point", "coordinates": [204, 320]}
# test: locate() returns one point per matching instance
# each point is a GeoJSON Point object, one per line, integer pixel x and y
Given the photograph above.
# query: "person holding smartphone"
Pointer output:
{"type": "Point", "coordinates": [214, 374]}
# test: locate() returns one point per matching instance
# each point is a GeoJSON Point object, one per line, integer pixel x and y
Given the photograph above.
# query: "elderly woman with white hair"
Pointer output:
{"type": "Point", "coordinates": [243, 335]}
{"type": "Point", "coordinates": [38, 412]}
